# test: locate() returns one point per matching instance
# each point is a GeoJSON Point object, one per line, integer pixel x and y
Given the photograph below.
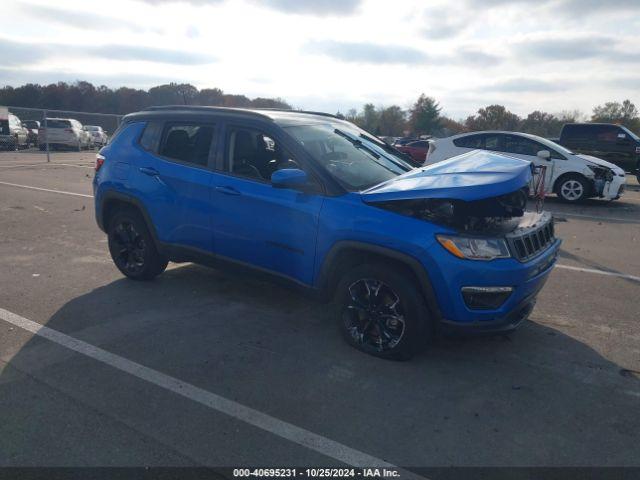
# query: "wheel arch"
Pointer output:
{"type": "Point", "coordinates": [348, 254]}
{"type": "Point", "coordinates": [564, 176]}
{"type": "Point", "coordinates": [115, 201]}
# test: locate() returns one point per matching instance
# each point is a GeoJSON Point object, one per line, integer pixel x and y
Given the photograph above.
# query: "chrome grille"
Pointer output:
{"type": "Point", "coordinates": [528, 242]}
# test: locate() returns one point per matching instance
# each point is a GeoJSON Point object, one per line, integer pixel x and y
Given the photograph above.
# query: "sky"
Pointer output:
{"type": "Point", "coordinates": [334, 55]}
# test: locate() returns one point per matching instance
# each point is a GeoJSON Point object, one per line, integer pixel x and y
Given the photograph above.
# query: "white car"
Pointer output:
{"type": "Point", "coordinates": [571, 176]}
{"type": "Point", "coordinates": [63, 133]}
{"type": "Point", "coordinates": [98, 136]}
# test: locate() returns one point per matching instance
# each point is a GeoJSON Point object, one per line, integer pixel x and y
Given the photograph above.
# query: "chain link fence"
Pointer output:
{"type": "Point", "coordinates": [35, 130]}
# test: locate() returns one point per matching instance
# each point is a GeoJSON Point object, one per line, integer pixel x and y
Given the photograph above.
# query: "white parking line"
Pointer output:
{"type": "Point", "coordinates": [46, 190]}
{"type": "Point", "coordinates": [46, 165]}
{"type": "Point", "coordinates": [600, 272]}
{"type": "Point", "coordinates": [288, 431]}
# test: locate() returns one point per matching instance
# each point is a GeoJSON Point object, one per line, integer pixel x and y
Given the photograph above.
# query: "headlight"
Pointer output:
{"type": "Point", "coordinates": [473, 248]}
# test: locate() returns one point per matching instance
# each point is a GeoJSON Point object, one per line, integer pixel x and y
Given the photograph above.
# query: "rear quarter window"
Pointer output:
{"type": "Point", "coordinates": [151, 136]}
{"type": "Point", "coordinates": [470, 141]}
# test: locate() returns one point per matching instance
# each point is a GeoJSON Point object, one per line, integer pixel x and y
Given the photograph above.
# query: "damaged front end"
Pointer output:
{"type": "Point", "coordinates": [488, 214]}
{"type": "Point", "coordinates": [605, 182]}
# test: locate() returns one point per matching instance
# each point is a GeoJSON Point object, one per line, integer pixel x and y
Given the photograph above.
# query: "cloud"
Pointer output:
{"type": "Point", "coordinates": [149, 54]}
{"type": "Point", "coordinates": [597, 7]}
{"type": "Point", "coordinates": [19, 53]}
{"type": "Point", "coordinates": [313, 7]}
{"type": "Point", "coordinates": [301, 7]}
{"type": "Point", "coordinates": [521, 85]}
{"type": "Point", "coordinates": [22, 76]}
{"type": "Point", "coordinates": [466, 56]}
{"type": "Point", "coordinates": [575, 48]}
{"type": "Point", "coordinates": [627, 83]}
{"type": "Point", "coordinates": [571, 8]}
{"type": "Point", "coordinates": [442, 30]}
{"type": "Point", "coordinates": [360, 52]}
{"type": "Point", "coordinates": [76, 18]}
{"type": "Point", "coordinates": [200, 3]}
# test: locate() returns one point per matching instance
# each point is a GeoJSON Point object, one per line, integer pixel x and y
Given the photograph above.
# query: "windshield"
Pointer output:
{"type": "Point", "coordinates": [631, 134]}
{"type": "Point", "coordinates": [353, 157]}
{"type": "Point", "coordinates": [556, 146]}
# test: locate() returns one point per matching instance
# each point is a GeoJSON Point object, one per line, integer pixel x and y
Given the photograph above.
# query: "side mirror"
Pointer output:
{"type": "Point", "coordinates": [292, 178]}
{"type": "Point", "coordinates": [544, 154]}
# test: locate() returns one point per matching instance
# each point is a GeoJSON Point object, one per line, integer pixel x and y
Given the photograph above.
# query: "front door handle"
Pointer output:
{"type": "Point", "coordinates": [227, 190]}
{"type": "Point", "coordinates": [152, 172]}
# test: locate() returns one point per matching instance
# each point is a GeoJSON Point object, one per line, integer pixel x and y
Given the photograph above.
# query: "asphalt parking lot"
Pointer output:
{"type": "Point", "coordinates": [563, 390]}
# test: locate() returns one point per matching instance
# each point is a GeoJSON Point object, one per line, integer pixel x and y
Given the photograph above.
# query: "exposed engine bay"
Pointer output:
{"type": "Point", "coordinates": [495, 216]}
{"type": "Point", "coordinates": [602, 180]}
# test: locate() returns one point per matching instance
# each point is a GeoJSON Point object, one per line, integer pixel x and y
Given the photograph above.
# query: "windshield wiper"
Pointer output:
{"type": "Point", "coordinates": [389, 149]}
{"type": "Point", "coordinates": [357, 143]}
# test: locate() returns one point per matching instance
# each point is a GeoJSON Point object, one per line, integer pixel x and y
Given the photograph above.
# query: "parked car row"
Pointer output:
{"type": "Point", "coordinates": [59, 133]}
{"type": "Point", "coordinates": [70, 133]}
{"type": "Point", "coordinates": [571, 176]}
{"type": "Point", "coordinates": [13, 135]}
{"type": "Point", "coordinates": [574, 174]}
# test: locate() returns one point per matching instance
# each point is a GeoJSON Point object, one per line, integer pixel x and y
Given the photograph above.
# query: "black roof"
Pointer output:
{"type": "Point", "coordinates": [279, 116]}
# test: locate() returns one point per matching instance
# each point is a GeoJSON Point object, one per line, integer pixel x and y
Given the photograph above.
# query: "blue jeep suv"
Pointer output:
{"type": "Point", "coordinates": [399, 252]}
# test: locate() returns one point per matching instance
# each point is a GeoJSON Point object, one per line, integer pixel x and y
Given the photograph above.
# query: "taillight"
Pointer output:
{"type": "Point", "coordinates": [99, 161]}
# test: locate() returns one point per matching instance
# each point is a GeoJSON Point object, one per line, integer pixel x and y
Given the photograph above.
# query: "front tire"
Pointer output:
{"type": "Point", "coordinates": [380, 311]}
{"type": "Point", "coordinates": [573, 188]}
{"type": "Point", "coordinates": [132, 248]}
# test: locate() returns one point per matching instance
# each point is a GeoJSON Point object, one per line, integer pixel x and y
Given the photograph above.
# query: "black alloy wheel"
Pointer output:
{"type": "Point", "coordinates": [373, 316]}
{"type": "Point", "coordinates": [130, 248]}
{"type": "Point", "coordinates": [381, 311]}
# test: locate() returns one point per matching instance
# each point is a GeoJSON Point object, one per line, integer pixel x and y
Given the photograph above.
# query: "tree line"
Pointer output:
{"type": "Point", "coordinates": [85, 97]}
{"type": "Point", "coordinates": [424, 117]}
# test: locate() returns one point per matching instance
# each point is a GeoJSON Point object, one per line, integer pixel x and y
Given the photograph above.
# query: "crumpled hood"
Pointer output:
{"type": "Point", "coordinates": [471, 176]}
{"type": "Point", "coordinates": [600, 162]}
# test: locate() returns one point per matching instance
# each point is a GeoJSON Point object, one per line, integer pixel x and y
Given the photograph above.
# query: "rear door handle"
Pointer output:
{"type": "Point", "coordinates": [152, 172]}
{"type": "Point", "coordinates": [227, 190]}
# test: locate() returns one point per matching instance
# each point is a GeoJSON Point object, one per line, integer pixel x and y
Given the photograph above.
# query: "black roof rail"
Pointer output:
{"type": "Point", "coordinates": [235, 109]}
{"type": "Point", "coordinates": [205, 108]}
{"type": "Point", "coordinates": [309, 112]}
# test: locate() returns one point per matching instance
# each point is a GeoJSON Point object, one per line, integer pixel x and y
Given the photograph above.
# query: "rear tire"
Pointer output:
{"type": "Point", "coordinates": [132, 247]}
{"type": "Point", "coordinates": [381, 312]}
{"type": "Point", "coordinates": [573, 188]}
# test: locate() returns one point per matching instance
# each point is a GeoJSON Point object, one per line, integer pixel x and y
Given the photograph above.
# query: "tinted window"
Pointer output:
{"type": "Point", "coordinates": [256, 155]}
{"type": "Point", "coordinates": [51, 123]}
{"type": "Point", "coordinates": [150, 136]}
{"type": "Point", "coordinates": [607, 133]}
{"type": "Point", "coordinates": [187, 142]}
{"type": "Point", "coordinates": [520, 145]}
{"type": "Point", "coordinates": [492, 142]}
{"type": "Point", "coordinates": [419, 144]}
{"type": "Point", "coordinates": [470, 141]}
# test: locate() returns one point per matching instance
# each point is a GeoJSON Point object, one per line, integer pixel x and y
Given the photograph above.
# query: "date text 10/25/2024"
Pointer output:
{"type": "Point", "coordinates": [316, 472]}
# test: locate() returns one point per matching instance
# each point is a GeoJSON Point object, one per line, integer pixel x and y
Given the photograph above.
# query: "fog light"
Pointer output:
{"type": "Point", "coordinates": [485, 298]}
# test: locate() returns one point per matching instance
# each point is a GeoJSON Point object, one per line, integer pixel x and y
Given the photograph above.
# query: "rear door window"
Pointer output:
{"type": "Point", "coordinates": [470, 141]}
{"type": "Point", "coordinates": [521, 145]}
{"type": "Point", "coordinates": [187, 142]}
{"type": "Point", "coordinates": [58, 123]}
